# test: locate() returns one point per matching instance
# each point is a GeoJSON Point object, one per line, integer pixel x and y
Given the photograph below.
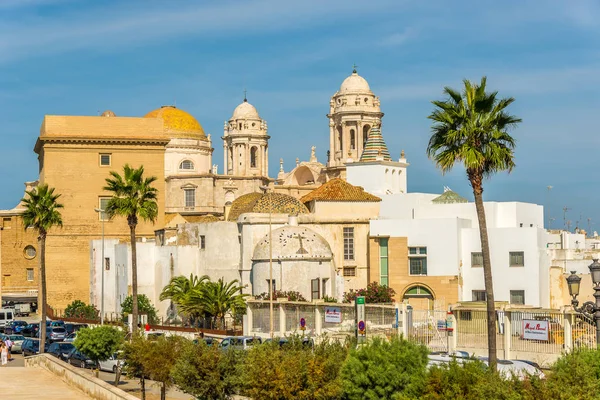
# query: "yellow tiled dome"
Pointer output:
{"type": "Point", "coordinates": [260, 203]}
{"type": "Point", "coordinates": [178, 123]}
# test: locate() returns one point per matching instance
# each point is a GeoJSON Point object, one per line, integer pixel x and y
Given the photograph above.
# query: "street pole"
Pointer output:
{"type": "Point", "coordinates": [270, 265]}
{"type": "Point", "coordinates": [102, 266]}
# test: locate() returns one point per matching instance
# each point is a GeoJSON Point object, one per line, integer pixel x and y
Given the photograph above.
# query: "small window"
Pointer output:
{"type": "Point", "coordinates": [107, 263]}
{"type": "Point", "coordinates": [202, 242]}
{"type": "Point", "coordinates": [105, 160]}
{"type": "Point", "coordinates": [6, 222]}
{"type": "Point", "coordinates": [102, 204]}
{"type": "Point", "coordinates": [348, 243]}
{"type": "Point", "coordinates": [190, 198]}
{"type": "Point", "coordinates": [29, 252]}
{"type": "Point", "coordinates": [186, 164]}
{"type": "Point", "coordinates": [30, 274]}
{"type": "Point", "coordinates": [273, 285]}
{"type": "Point", "coordinates": [466, 316]}
{"type": "Point", "coordinates": [352, 139]}
{"type": "Point", "coordinates": [383, 262]}
{"type": "Point", "coordinates": [479, 295]}
{"type": "Point", "coordinates": [517, 259]}
{"type": "Point", "coordinates": [349, 271]}
{"type": "Point", "coordinates": [517, 297]}
{"type": "Point", "coordinates": [315, 290]}
{"type": "Point", "coordinates": [417, 260]}
{"type": "Point", "coordinates": [476, 260]}
{"type": "Point", "coordinates": [253, 157]}
{"type": "Point", "coordinates": [417, 250]}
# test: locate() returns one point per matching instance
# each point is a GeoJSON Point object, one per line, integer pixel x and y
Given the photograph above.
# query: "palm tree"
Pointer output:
{"type": "Point", "coordinates": [42, 213]}
{"type": "Point", "coordinates": [133, 197]}
{"type": "Point", "coordinates": [184, 293]}
{"type": "Point", "coordinates": [472, 128]}
{"type": "Point", "coordinates": [218, 299]}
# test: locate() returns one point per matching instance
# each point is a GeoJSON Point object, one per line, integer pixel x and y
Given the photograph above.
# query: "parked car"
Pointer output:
{"type": "Point", "coordinates": [31, 330]}
{"type": "Point", "coordinates": [78, 359]}
{"type": "Point", "coordinates": [518, 368]}
{"type": "Point", "coordinates": [208, 340]}
{"type": "Point", "coordinates": [54, 334]}
{"type": "Point", "coordinates": [17, 326]}
{"type": "Point", "coordinates": [7, 315]}
{"type": "Point", "coordinates": [112, 364]}
{"type": "Point", "coordinates": [22, 309]}
{"type": "Point", "coordinates": [70, 338]}
{"type": "Point", "coordinates": [70, 327]}
{"type": "Point", "coordinates": [306, 342]}
{"type": "Point", "coordinates": [60, 350]}
{"type": "Point", "coordinates": [239, 342]}
{"type": "Point", "coordinates": [17, 343]}
{"type": "Point", "coordinates": [30, 347]}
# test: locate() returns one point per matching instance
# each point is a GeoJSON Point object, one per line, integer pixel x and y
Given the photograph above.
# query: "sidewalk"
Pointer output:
{"type": "Point", "coordinates": [32, 383]}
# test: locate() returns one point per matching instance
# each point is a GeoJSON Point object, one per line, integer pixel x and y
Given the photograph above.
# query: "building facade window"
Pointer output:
{"type": "Point", "coordinates": [29, 252]}
{"type": "Point", "coordinates": [479, 295]}
{"type": "Point", "coordinates": [477, 259]}
{"type": "Point", "coordinates": [253, 152]}
{"type": "Point", "coordinates": [517, 258]}
{"type": "Point", "coordinates": [383, 262]}
{"type": "Point", "coordinates": [202, 242]}
{"type": "Point", "coordinates": [517, 297]}
{"type": "Point", "coordinates": [352, 139]}
{"type": "Point", "coordinates": [273, 287]}
{"type": "Point", "coordinates": [417, 259]}
{"type": "Point", "coordinates": [30, 274]}
{"type": "Point", "coordinates": [349, 271]}
{"type": "Point", "coordinates": [6, 222]}
{"type": "Point", "coordinates": [105, 159]}
{"type": "Point", "coordinates": [324, 287]}
{"type": "Point", "coordinates": [190, 198]}
{"type": "Point", "coordinates": [315, 289]}
{"type": "Point", "coordinates": [348, 243]}
{"type": "Point", "coordinates": [186, 164]}
{"type": "Point", "coordinates": [102, 204]}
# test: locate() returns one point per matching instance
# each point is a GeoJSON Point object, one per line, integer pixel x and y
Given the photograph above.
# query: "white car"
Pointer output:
{"type": "Point", "coordinates": [111, 364]}
{"type": "Point", "coordinates": [518, 368]}
{"type": "Point", "coordinates": [70, 337]}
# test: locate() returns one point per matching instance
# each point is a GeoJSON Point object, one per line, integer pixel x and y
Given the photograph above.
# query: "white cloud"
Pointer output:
{"type": "Point", "coordinates": [398, 38]}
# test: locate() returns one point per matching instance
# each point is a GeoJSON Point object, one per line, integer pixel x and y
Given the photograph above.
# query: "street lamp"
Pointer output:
{"type": "Point", "coordinates": [100, 211]}
{"type": "Point", "coordinates": [266, 189]}
{"type": "Point", "coordinates": [589, 308]}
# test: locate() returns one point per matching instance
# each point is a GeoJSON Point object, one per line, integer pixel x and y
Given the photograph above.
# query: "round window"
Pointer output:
{"type": "Point", "coordinates": [253, 124]}
{"type": "Point", "coordinates": [29, 251]}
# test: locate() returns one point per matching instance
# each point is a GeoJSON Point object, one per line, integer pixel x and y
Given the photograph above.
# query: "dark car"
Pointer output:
{"type": "Point", "coordinates": [60, 350]}
{"type": "Point", "coordinates": [78, 359]}
{"type": "Point", "coordinates": [31, 330]}
{"type": "Point", "coordinates": [17, 326]}
{"type": "Point", "coordinates": [74, 327]}
{"type": "Point", "coordinates": [30, 347]}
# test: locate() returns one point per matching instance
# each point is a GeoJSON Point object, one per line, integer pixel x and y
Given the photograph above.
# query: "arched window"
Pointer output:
{"type": "Point", "coordinates": [418, 292]}
{"type": "Point", "coordinates": [365, 134]}
{"type": "Point", "coordinates": [352, 139]}
{"type": "Point", "coordinates": [253, 151]}
{"type": "Point", "coordinates": [186, 164]}
{"type": "Point", "coordinates": [229, 197]}
{"type": "Point", "coordinates": [340, 141]}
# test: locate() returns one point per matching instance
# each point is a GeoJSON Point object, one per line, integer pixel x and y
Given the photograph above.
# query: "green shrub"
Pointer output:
{"type": "Point", "coordinates": [78, 309]}
{"type": "Point", "coordinates": [294, 371]}
{"type": "Point", "coordinates": [374, 293]}
{"type": "Point", "coordinates": [144, 307]}
{"type": "Point", "coordinates": [290, 295]}
{"type": "Point", "coordinates": [385, 370]}
{"type": "Point", "coordinates": [206, 372]}
{"type": "Point", "coordinates": [575, 375]}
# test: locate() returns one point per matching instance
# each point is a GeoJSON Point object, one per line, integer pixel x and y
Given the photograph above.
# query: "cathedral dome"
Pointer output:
{"type": "Point", "coordinates": [244, 111]}
{"type": "Point", "coordinates": [294, 243]}
{"type": "Point", "coordinates": [261, 203]}
{"type": "Point", "coordinates": [178, 123]}
{"type": "Point", "coordinates": [355, 83]}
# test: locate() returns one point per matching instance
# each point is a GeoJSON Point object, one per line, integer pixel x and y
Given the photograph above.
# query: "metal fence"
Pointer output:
{"type": "Point", "coordinates": [428, 327]}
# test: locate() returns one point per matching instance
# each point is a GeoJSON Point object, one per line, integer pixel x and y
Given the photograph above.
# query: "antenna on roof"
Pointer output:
{"type": "Point", "coordinates": [245, 97]}
{"type": "Point", "coordinates": [565, 209]}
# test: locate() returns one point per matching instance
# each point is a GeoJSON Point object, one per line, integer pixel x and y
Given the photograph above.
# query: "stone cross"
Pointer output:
{"type": "Point", "coordinates": [301, 250]}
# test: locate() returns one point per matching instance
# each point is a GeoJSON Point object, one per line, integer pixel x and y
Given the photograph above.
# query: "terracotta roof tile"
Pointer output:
{"type": "Point", "coordinates": [338, 190]}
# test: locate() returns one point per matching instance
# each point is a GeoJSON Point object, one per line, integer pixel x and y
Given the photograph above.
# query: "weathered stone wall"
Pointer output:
{"type": "Point", "coordinates": [14, 262]}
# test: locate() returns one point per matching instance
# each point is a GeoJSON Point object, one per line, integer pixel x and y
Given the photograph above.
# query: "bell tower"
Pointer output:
{"type": "Point", "coordinates": [246, 143]}
{"type": "Point", "coordinates": [353, 111]}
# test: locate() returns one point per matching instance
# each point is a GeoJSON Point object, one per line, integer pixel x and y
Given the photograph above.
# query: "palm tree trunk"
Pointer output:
{"type": "Point", "coordinates": [134, 287]}
{"type": "Point", "coordinates": [487, 276]}
{"type": "Point", "coordinates": [43, 304]}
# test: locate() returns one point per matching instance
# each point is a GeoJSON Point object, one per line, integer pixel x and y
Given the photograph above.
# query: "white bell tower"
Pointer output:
{"type": "Point", "coordinates": [246, 143]}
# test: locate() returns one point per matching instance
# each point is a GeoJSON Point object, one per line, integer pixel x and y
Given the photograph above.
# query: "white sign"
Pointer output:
{"type": "Point", "coordinates": [333, 314]}
{"type": "Point", "coordinates": [536, 330]}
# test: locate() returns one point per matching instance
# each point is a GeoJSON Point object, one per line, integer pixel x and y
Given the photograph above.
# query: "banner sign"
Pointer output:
{"type": "Point", "coordinates": [333, 315]}
{"type": "Point", "coordinates": [536, 330]}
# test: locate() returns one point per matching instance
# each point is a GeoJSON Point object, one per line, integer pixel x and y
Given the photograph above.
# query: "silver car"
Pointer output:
{"type": "Point", "coordinates": [56, 334]}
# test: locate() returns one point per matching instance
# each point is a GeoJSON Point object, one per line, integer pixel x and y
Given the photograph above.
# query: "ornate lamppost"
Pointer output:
{"type": "Point", "coordinates": [589, 308]}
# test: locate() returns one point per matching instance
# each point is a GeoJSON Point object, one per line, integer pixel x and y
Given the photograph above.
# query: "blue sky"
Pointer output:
{"type": "Point", "coordinates": [83, 57]}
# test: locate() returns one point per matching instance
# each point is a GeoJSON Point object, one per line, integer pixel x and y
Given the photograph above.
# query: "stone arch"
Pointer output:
{"type": "Point", "coordinates": [419, 295]}
{"type": "Point", "coordinates": [253, 156]}
{"type": "Point", "coordinates": [229, 197]}
{"type": "Point", "coordinates": [365, 135]}
{"type": "Point", "coordinates": [303, 176]}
